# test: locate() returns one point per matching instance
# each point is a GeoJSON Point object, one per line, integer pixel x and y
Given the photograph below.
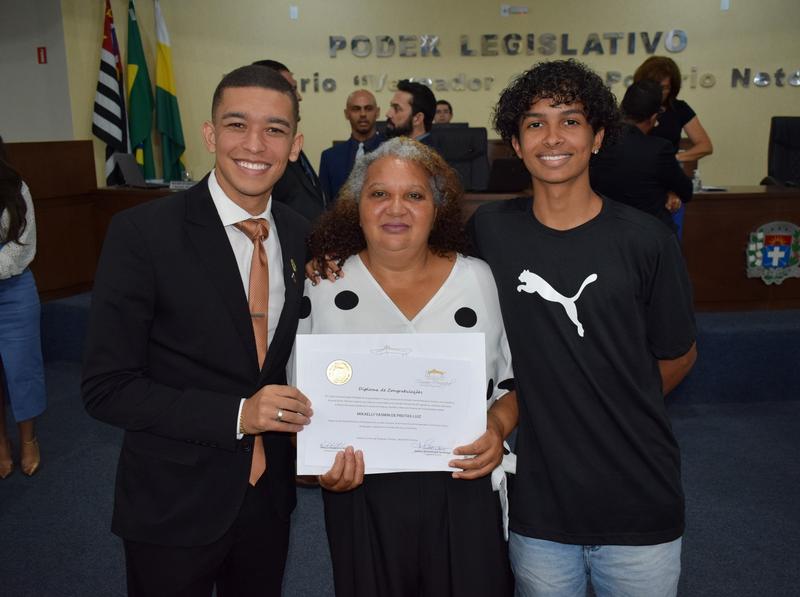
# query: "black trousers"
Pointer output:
{"type": "Point", "coordinates": [248, 560]}
{"type": "Point", "coordinates": [418, 535]}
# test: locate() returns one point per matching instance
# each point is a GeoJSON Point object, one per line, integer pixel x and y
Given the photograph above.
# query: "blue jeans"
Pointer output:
{"type": "Point", "coordinates": [549, 569]}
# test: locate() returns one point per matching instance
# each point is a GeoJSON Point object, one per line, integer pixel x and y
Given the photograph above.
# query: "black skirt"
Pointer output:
{"type": "Point", "coordinates": [418, 535]}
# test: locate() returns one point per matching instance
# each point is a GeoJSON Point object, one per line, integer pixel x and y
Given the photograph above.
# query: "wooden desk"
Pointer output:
{"type": "Point", "coordinates": [473, 201]}
{"type": "Point", "coordinates": [497, 148]}
{"type": "Point", "coordinates": [72, 214]}
{"type": "Point", "coordinates": [716, 230]}
{"type": "Point", "coordinates": [70, 232]}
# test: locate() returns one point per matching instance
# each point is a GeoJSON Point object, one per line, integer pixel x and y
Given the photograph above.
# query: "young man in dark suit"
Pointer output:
{"type": "Point", "coordinates": [640, 169]}
{"type": "Point", "coordinates": [299, 187]}
{"type": "Point", "coordinates": [194, 313]}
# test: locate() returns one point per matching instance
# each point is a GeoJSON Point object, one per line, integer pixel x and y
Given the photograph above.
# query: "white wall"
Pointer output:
{"type": "Point", "coordinates": [34, 101]}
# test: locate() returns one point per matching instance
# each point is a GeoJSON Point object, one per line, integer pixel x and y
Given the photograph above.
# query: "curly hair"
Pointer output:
{"type": "Point", "coordinates": [658, 68]}
{"type": "Point", "coordinates": [338, 233]}
{"type": "Point", "coordinates": [563, 82]}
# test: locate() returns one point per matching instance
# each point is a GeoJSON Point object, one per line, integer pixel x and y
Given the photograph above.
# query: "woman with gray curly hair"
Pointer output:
{"type": "Point", "coordinates": [396, 230]}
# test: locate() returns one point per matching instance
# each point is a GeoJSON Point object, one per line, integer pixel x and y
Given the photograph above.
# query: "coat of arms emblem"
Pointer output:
{"type": "Point", "coordinates": [773, 252]}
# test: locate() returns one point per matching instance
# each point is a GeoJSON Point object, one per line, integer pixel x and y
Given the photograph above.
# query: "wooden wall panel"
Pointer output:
{"type": "Point", "coordinates": [717, 227]}
{"type": "Point", "coordinates": [66, 253]}
{"type": "Point", "coordinates": [54, 168]}
{"type": "Point", "coordinates": [72, 214]}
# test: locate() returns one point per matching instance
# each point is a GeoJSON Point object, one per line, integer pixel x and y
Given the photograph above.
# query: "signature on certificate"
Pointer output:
{"type": "Point", "coordinates": [430, 445]}
{"type": "Point", "coordinates": [386, 349]}
{"type": "Point", "coordinates": [332, 445]}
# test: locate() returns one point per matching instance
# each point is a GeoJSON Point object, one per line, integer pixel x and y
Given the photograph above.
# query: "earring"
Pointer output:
{"type": "Point", "coordinates": [595, 151]}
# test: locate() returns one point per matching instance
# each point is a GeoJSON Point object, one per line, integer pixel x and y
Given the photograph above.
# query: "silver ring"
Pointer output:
{"type": "Point", "coordinates": [279, 417]}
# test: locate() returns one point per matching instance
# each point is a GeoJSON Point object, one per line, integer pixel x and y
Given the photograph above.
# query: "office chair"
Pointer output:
{"type": "Point", "coordinates": [450, 125]}
{"type": "Point", "coordinates": [783, 163]}
{"type": "Point", "coordinates": [464, 149]}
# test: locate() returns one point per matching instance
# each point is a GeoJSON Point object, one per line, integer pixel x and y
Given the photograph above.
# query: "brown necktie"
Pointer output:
{"type": "Point", "coordinates": [257, 230]}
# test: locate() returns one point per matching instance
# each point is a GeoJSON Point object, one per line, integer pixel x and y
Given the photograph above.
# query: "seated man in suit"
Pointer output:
{"type": "Point", "coordinates": [299, 187]}
{"type": "Point", "coordinates": [336, 162]}
{"type": "Point", "coordinates": [640, 169]}
{"type": "Point", "coordinates": [194, 312]}
{"type": "Point", "coordinates": [411, 112]}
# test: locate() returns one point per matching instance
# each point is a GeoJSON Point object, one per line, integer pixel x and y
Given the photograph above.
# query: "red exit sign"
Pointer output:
{"type": "Point", "coordinates": [41, 55]}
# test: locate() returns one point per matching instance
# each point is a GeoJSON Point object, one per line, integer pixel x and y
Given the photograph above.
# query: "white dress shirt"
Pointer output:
{"type": "Point", "coordinates": [242, 246]}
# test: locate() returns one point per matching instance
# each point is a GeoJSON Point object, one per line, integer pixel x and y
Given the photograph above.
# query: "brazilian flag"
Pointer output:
{"type": "Point", "coordinates": [140, 99]}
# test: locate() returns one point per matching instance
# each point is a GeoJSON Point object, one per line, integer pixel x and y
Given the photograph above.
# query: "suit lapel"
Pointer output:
{"type": "Point", "coordinates": [208, 237]}
{"type": "Point", "coordinates": [293, 279]}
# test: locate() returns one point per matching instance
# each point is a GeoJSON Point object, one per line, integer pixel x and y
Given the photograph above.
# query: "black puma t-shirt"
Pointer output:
{"type": "Point", "coordinates": [588, 313]}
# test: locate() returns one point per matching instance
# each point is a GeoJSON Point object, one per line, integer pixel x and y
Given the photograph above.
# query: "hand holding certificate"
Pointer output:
{"type": "Point", "coordinates": [405, 400]}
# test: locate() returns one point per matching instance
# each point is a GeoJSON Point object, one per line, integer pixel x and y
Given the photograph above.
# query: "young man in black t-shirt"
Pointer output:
{"type": "Point", "coordinates": [598, 311]}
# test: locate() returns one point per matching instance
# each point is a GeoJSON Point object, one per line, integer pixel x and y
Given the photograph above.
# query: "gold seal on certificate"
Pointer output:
{"type": "Point", "coordinates": [339, 372]}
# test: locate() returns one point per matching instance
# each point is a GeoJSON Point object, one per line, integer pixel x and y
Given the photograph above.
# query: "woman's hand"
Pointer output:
{"type": "Point", "coordinates": [347, 471]}
{"type": "Point", "coordinates": [673, 203]}
{"type": "Point", "coordinates": [488, 448]}
{"type": "Point", "coordinates": [487, 451]}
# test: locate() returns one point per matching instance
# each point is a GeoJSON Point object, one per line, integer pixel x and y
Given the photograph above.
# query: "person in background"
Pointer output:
{"type": "Point", "coordinates": [640, 169]}
{"type": "Point", "coordinates": [299, 187]}
{"type": "Point", "coordinates": [677, 116]}
{"type": "Point", "coordinates": [336, 162]}
{"type": "Point", "coordinates": [397, 226]}
{"type": "Point", "coordinates": [598, 308]}
{"type": "Point", "coordinates": [21, 367]}
{"type": "Point", "coordinates": [444, 112]}
{"type": "Point", "coordinates": [411, 112]}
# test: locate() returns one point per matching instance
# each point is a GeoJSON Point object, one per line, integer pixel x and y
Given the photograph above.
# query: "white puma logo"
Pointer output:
{"type": "Point", "coordinates": [533, 283]}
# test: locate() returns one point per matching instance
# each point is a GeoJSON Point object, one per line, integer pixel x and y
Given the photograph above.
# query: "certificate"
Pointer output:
{"type": "Point", "coordinates": [405, 400]}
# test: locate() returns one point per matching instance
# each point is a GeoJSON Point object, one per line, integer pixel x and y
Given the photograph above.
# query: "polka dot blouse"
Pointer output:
{"type": "Point", "coordinates": [466, 302]}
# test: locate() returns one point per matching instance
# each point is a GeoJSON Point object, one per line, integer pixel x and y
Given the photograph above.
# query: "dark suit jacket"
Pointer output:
{"type": "Point", "coordinates": [639, 170]}
{"type": "Point", "coordinates": [298, 191]}
{"type": "Point", "coordinates": [336, 163]}
{"type": "Point", "coordinates": [170, 353]}
{"type": "Point", "coordinates": [430, 140]}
